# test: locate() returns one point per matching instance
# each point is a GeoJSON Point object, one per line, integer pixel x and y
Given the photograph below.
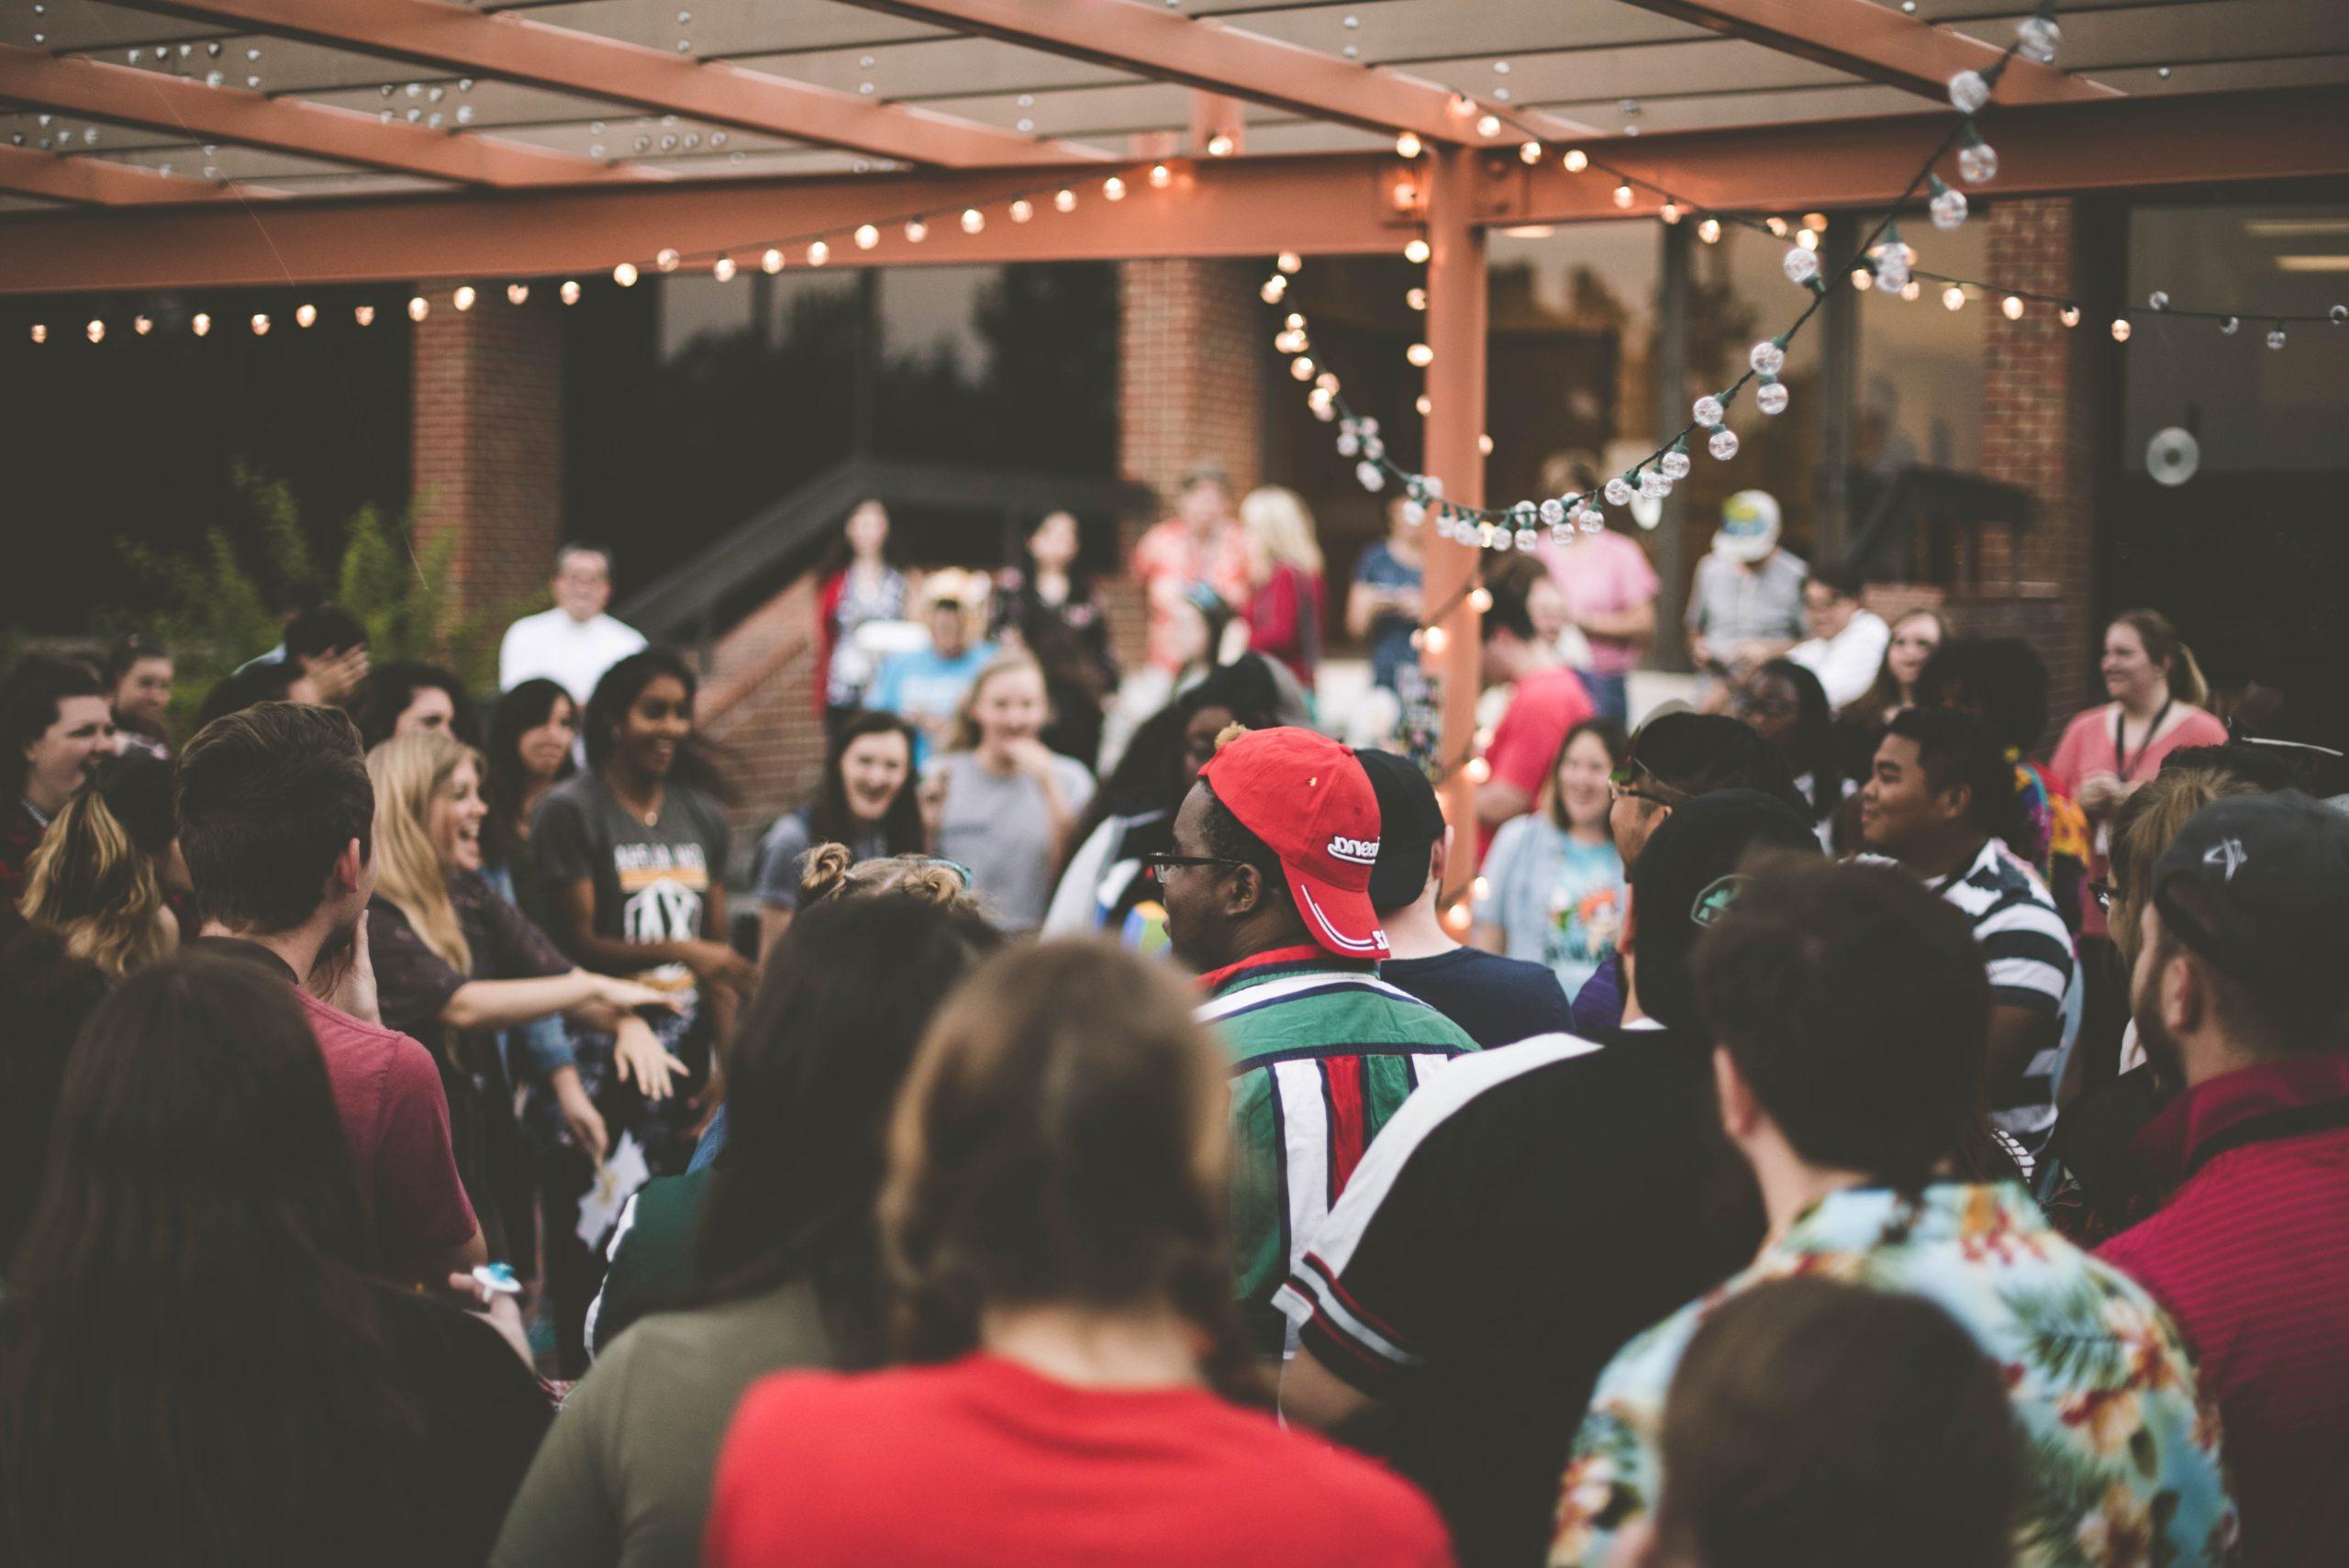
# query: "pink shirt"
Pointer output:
{"type": "Point", "coordinates": [1603, 574]}
{"type": "Point", "coordinates": [1168, 560]}
{"type": "Point", "coordinates": [2087, 748]}
{"type": "Point", "coordinates": [395, 1120]}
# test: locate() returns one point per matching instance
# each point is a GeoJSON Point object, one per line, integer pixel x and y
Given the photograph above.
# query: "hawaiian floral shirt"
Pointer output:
{"type": "Point", "coordinates": [2123, 1468]}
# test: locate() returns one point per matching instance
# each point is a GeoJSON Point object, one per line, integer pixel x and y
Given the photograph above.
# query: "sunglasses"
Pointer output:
{"type": "Point", "coordinates": [1628, 772]}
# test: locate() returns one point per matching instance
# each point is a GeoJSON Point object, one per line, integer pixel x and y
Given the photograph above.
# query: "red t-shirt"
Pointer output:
{"type": "Point", "coordinates": [982, 1462]}
{"type": "Point", "coordinates": [395, 1120]}
{"type": "Point", "coordinates": [1546, 706]}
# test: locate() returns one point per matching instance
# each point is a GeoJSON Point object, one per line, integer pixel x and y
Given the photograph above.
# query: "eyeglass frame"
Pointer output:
{"type": "Point", "coordinates": [1626, 773]}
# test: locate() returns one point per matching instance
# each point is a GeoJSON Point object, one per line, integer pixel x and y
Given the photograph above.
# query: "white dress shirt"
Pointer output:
{"type": "Point", "coordinates": [573, 654]}
{"type": "Point", "coordinates": [1846, 664]}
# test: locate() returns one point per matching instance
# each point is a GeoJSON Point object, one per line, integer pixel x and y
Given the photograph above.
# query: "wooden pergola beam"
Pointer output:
{"type": "Point", "coordinates": [1205, 53]}
{"type": "Point", "coordinates": [122, 95]}
{"type": "Point", "coordinates": [97, 182]}
{"type": "Point", "coordinates": [1877, 42]}
{"type": "Point", "coordinates": [1329, 203]}
{"type": "Point", "coordinates": [513, 48]}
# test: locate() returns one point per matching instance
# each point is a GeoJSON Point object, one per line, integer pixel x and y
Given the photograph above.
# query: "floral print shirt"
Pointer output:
{"type": "Point", "coordinates": [2123, 1459]}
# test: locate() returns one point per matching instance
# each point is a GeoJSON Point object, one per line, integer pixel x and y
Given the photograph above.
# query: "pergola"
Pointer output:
{"type": "Point", "coordinates": [186, 144]}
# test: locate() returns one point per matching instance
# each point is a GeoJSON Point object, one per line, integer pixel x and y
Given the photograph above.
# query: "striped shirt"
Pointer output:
{"type": "Point", "coordinates": [1323, 1052]}
{"type": "Point", "coordinates": [2027, 949]}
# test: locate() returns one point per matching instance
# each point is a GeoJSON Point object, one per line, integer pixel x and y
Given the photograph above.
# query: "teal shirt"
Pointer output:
{"type": "Point", "coordinates": [2119, 1445]}
{"type": "Point", "coordinates": [1554, 900]}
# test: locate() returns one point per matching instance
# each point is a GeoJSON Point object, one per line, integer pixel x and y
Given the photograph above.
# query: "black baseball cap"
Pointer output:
{"type": "Point", "coordinates": [2270, 874]}
{"type": "Point", "coordinates": [1687, 878]}
{"type": "Point", "coordinates": [1410, 824]}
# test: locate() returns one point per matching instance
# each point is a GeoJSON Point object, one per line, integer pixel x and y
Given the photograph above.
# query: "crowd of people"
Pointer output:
{"type": "Point", "coordinates": [1829, 1130]}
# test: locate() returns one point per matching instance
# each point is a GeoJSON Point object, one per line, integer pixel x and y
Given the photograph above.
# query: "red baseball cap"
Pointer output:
{"type": "Point", "coordinates": [1310, 802]}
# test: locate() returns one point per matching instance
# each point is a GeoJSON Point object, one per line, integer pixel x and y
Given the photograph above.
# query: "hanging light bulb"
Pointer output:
{"type": "Point", "coordinates": [1370, 474]}
{"type": "Point", "coordinates": [916, 232]}
{"type": "Point", "coordinates": [771, 261]}
{"type": "Point", "coordinates": [1022, 210]}
{"type": "Point", "coordinates": [1892, 260]}
{"type": "Point", "coordinates": [2121, 328]}
{"type": "Point", "coordinates": [1065, 201]}
{"type": "Point", "coordinates": [1775, 225]}
{"type": "Point", "coordinates": [365, 313]}
{"type": "Point", "coordinates": [972, 220]}
{"type": "Point", "coordinates": [1416, 251]}
{"type": "Point", "coordinates": [1675, 463]}
{"type": "Point", "coordinates": [1710, 232]}
{"type": "Point", "coordinates": [1768, 358]}
{"type": "Point", "coordinates": [1161, 176]}
{"type": "Point", "coordinates": [97, 331]}
{"type": "Point", "coordinates": [200, 322]}
{"type": "Point", "coordinates": [1288, 261]}
{"type": "Point", "coordinates": [418, 308]}
{"type": "Point", "coordinates": [1654, 486]}
{"type": "Point", "coordinates": [1622, 195]}
{"type": "Point", "coordinates": [1408, 145]}
{"type": "Point", "coordinates": [1302, 369]}
{"type": "Point", "coordinates": [464, 298]}
{"type": "Point", "coordinates": [261, 324]}
{"type": "Point", "coordinates": [2276, 337]}
{"type": "Point", "coordinates": [1910, 290]}
{"type": "Point", "coordinates": [665, 258]}
{"type": "Point", "coordinates": [2011, 307]}
{"type": "Point", "coordinates": [1801, 266]}
{"type": "Point", "coordinates": [1417, 298]}
{"type": "Point", "coordinates": [1420, 355]}
{"type": "Point", "coordinates": [2157, 300]}
{"type": "Point", "coordinates": [2231, 325]}
{"type": "Point", "coordinates": [143, 324]}
{"type": "Point", "coordinates": [1436, 640]}
{"type": "Point", "coordinates": [1976, 159]}
{"type": "Point", "coordinates": [1489, 124]}
{"type": "Point", "coordinates": [569, 292]}
{"type": "Point", "coordinates": [1953, 298]}
{"type": "Point", "coordinates": [1807, 238]}
{"type": "Point", "coordinates": [2038, 38]}
{"type": "Point", "coordinates": [1771, 396]}
{"type": "Point", "coordinates": [625, 274]}
{"type": "Point", "coordinates": [305, 315]}
{"type": "Point", "coordinates": [1424, 404]}
{"type": "Point", "coordinates": [867, 236]}
{"type": "Point", "coordinates": [2069, 315]}
{"type": "Point", "coordinates": [519, 293]}
{"type": "Point", "coordinates": [1723, 443]}
{"type": "Point", "coordinates": [41, 332]}
{"type": "Point", "coordinates": [1862, 279]}
{"type": "Point", "coordinates": [1968, 91]}
{"type": "Point", "coordinates": [1220, 145]}
{"type": "Point", "coordinates": [818, 253]}
{"type": "Point", "coordinates": [1577, 160]}
{"type": "Point", "coordinates": [1114, 188]}
{"type": "Point", "coordinates": [1948, 206]}
{"type": "Point", "coordinates": [1272, 290]}
{"type": "Point", "coordinates": [1530, 152]}
{"type": "Point", "coordinates": [1618, 492]}
{"type": "Point", "coordinates": [1485, 444]}
{"type": "Point", "coordinates": [1709, 411]}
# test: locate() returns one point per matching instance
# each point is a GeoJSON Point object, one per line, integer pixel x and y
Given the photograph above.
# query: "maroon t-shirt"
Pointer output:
{"type": "Point", "coordinates": [395, 1120]}
{"type": "Point", "coordinates": [982, 1462]}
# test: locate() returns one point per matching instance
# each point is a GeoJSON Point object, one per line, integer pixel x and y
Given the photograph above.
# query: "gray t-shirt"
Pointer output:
{"type": "Point", "coordinates": [651, 882]}
{"type": "Point", "coordinates": [1733, 604]}
{"type": "Point", "coordinates": [997, 825]}
{"type": "Point", "coordinates": [786, 846]}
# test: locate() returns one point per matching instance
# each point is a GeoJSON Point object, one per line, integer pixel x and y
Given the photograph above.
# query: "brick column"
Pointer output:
{"type": "Point", "coordinates": [486, 453]}
{"type": "Point", "coordinates": [2038, 430]}
{"type": "Point", "coordinates": [1190, 366]}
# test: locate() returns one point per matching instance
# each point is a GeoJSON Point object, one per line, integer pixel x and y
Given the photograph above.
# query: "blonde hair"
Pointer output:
{"type": "Point", "coordinates": [409, 770]}
{"type": "Point", "coordinates": [2164, 646]}
{"type": "Point", "coordinates": [966, 712]}
{"type": "Point", "coordinates": [90, 884]}
{"type": "Point", "coordinates": [832, 870]}
{"type": "Point", "coordinates": [1276, 518]}
{"type": "Point", "coordinates": [2144, 826]}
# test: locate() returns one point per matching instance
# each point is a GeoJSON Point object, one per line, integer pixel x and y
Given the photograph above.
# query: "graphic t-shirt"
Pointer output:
{"type": "Point", "coordinates": [1554, 899]}
{"type": "Point", "coordinates": [652, 881]}
{"type": "Point", "coordinates": [1544, 707]}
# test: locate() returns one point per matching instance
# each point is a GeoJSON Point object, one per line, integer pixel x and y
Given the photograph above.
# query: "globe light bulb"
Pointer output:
{"type": "Point", "coordinates": [1709, 411]}
{"type": "Point", "coordinates": [2038, 38]}
{"type": "Point", "coordinates": [916, 232]}
{"type": "Point", "coordinates": [1591, 520]}
{"type": "Point", "coordinates": [1114, 188]}
{"type": "Point", "coordinates": [2276, 337]}
{"type": "Point", "coordinates": [261, 324]}
{"type": "Point", "coordinates": [1723, 443]}
{"type": "Point", "coordinates": [1530, 152]}
{"type": "Point", "coordinates": [1479, 770]}
{"type": "Point", "coordinates": [1406, 144]}
{"type": "Point", "coordinates": [1954, 297]}
{"type": "Point", "coordinates": [2069, 315]}
{"type": "Point", "coordinates": [867, 237]}
{"type": "Point", "coordinates": [1862, 279]}
{"type": "Point", "coordinates": [41, 332]}
{"type": "Point", "coordinates": [1669, 212]}
{"type": "Point", "coordinates": [1968, 91]}
{"type": "Point", "coordinates": [2120, 330]}
{"type": "Point", "coordinates": [1373, 477]}
{"type": "Point", "coordinates": [1271, 290]}
{"type": "Point", "coordinates": [972, 220]}
{"type": "Point", "coordinates": [2339, 314]}
{"type": "Point", "coordinates": [1618, 492]}
{"type": "Point", "coordinates": [1065, 201]}
{"type": "Point", "coordinates": [1912, 289]}
{"type": "Point", "coordinates": [1302, 369]}
{"type": "Point", "coordinates": [569, 291]}
{"type": "Point", "coordinates": [1528, 540]}
{"type": "Point", "coordinates": [771, 262]}
{"type": "Point", "coordinates": [1553, 511]}
{"type": "Point", "coordinates": [305, 315]}
{"type": "Point", "coordinates": [1414, 512]}
{"type": "Point", "coordinates": [2231, 325]}
{"type": "Point", "coordinates": [1976, 160]}
{"type": "Point", "coordinates": [1218, 146]}
{"type": "Point", "coordinates": [1767, 357]}
{"type": "Point", "coordinates": [143, 324]}
{"type": "Point", "coordinates": [1161, 176]}
{"type": "Point", "coordinates": [1710, 232]}
{"type": "Point", "coordinates": [201, 324]}
{"type": "Point", "coordinates": [418, 308]}
{"type": "Point", "coordinates": [818, 253]}
{"type": "Point", "coordinates": [1022, 210]}
{"type": "Point", "coordinates": [1575, 161]}
{"type": "Point", "coordinates": [464, 296]}
{"type": "Point", "coordinates": [624, 274]}
{"type": "Point", "coordinates": [1654, 486]}
{"type": "Point", "coordinates": [1622, 195]}
{"type": "Point", "coordinates": [1892, 264]}
{"type": "Point", "coordinates": [97, 331]}
{"type": "Point", "coordinates": [1775, 225]}
{"type": "Point", "coordinates": [1420, 355]}
{"type": "Point", "coordinates": [1801, 266]}
{"type": "Point", "coordinates": [1675, 463]}
{"type": "Point", "coordinates": [1436, 640]}
{"type": "Point", "coordinates": [2011, 307]}
{"type": "Point", "coordinates": [1948, 206]}
{"type": "Point", "coordinates": [1489, 125]}
{"type": "Point", "coordinates": [665, 258]}
{"type": "Point", "coordinates": [1771, 396]}
{"type": "Point", "coordinates": [519, 293]}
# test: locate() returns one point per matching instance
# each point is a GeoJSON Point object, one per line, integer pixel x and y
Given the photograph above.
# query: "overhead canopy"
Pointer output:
{"type": "Point", "coordinates": [515, 111]}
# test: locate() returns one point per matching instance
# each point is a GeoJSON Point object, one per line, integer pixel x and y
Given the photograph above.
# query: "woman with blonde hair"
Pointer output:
{"type": "Point", "coordinates": [455, 963]}
{"type": "Point", "coordinates": [1004, 803]}
{"type": "Point", "coordinates": [1286, 616]}
{"type": "Point", "coordinates": [98, 877]}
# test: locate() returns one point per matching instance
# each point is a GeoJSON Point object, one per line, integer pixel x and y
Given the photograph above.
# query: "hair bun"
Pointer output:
{"type": "Point", "coordinates": [825, 873]}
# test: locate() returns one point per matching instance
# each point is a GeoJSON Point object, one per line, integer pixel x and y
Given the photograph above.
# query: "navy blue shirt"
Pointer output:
{"type": "Point", "coordinates": [1498, 1000]}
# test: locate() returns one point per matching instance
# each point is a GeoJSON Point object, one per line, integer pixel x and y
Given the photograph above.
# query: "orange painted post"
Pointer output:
{"type": "Point", "coordinates": [1455, 423]}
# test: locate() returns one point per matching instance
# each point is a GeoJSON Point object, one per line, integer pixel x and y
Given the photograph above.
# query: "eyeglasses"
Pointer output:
{"type": "Point", "coordinates": [1162, 865]}
{"type": "Point", "coordinates": [1627, 774]}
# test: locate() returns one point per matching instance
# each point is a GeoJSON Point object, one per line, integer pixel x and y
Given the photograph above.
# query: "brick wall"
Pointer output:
{"type": "Point", "coordinates": [486, 449]}
{"type": "Point", "coordinates": [1189, 371]}
{"type": "Point", "coordinates": [2037, 430]}
{"type": "Point", "coordinates": [758, 703]}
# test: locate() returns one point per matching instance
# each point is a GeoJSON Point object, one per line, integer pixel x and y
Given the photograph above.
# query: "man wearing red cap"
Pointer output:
{"type": "Point", "coordinates": [1267, 894]}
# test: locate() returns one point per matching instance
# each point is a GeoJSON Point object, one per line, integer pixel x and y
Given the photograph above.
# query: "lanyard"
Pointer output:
{"type": "Point", "coordinates": [2120, 729]}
